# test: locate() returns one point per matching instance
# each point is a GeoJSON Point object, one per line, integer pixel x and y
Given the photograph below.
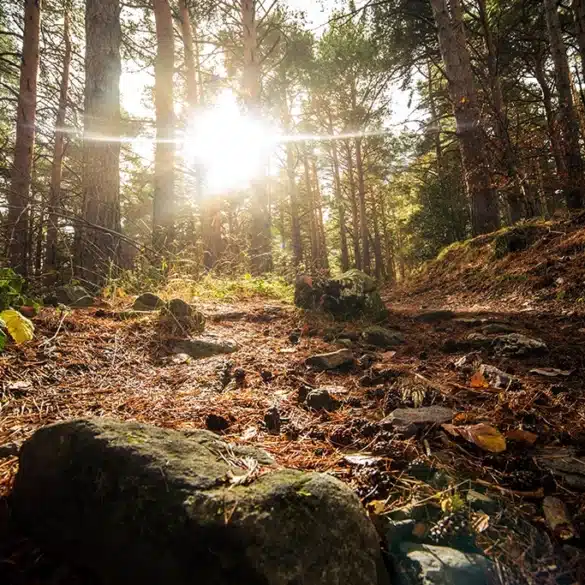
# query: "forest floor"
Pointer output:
{"type": "Point", "coordinates": [86, 363]}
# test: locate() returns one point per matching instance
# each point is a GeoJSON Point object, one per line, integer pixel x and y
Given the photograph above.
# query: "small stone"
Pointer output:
{"type": "Point", "coordinates": [294, 336]}
{"type": "Point", "coordinates": [382, 337]}
{"type": "Point", "coordinates": [403, 417]}
{"type": "Point", "coordinates": [397, 531]}
{"type": "Point", "coordinates": [205, 346]}
{"type": "Point", "coordinates": [494, 328]}
{"type": "Point", "coordinates": [480, 502]}
{"type": "Point", "coordinates": [179, 308]}
{"type": "Point", "coordinates": [303, 392]}
{"type": "Point", "coordinates": [439, 565]}
{"type": "Point", "coordinates": [348, 343]}
{"type": "Point", "coordinates": [516, 344]}
{"type": "Point", "coordinates": [272, 420]}
{"type": "Point", "coordinates": [377, 377]}
{"type": "Point", "coordinates": [330, 361]}
{"type": "Point", "coordinates": [148, 302]}
{"type": "Point", "coordinates": [435, 316]}
{"type": "Point", "coordinates": [320, 399]}
{"type": "Point", "coordinates": [217, 423]}
{"type": "Point", "coordinates": [266, 376]}
{"type": "Point", "coordinates": [499, 379]}
{"type": "Point", "coordinates": [240, 377]}
{"type": "Point", "coordinates": [74, 296]}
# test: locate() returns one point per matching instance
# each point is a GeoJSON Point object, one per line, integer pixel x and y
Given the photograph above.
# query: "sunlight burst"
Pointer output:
{"type": "Point", "coordinates": [232, 147]}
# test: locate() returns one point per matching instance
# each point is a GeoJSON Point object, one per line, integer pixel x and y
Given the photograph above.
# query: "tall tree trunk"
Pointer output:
{"type": "Point", "coordinates": [436, 122]}
{"type": "Point", "coordinates": [260, 237]}
{"type": "Point", "coordinates": [57, 165]}
{"type": "Point", "coordinates": [164, 156]}
{"type": "Point", "coordinates": [519, 196]}
{"type": "Point", "coordinates": [211, 216]}
{"type": "Point", "coordinates": [578, 7]}
{"type": "Point", "coordinates": [568, 118]}
{"type": "Point", "coordinates": [553, 131]}
{"type": "Point", "coordinates": [388, 251]}
{"type": "Point", "coordinates": [19, 192]}
{"type": "Point", "coordinates": [363, 211]}
{"type": "Point", "coordinates": [380, 269]}
{"type": "Point", "coordinates": [101, 144]}
{"type": "Point", "coordinates": [314, 232]}
{"type": "Point", "coordinates": [357, 257]}
{"type": "Point", "coordinates": [324, 262]}
{"type": "Point", "coordinates": [340, 207]}
{"type": "Point", "coordinates": [472, 139]}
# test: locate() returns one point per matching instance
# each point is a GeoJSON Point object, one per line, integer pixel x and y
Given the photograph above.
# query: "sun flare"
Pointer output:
{"type": "Point", "coordinates": [233, 148]}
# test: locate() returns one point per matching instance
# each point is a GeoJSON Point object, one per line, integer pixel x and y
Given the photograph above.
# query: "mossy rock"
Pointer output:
{"type": "Point", "coordinates": [352, 295]}
{"type": "Point", "coordinates": [181, 318]}
{"type": "Point", "coordinates": [516, 239]}
{"type": "Point", "coordinates": [148, 302]}
{"type": "Point", "coordinates": [140, 505]}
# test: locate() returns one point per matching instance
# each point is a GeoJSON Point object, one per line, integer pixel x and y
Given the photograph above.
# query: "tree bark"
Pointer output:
{"type": "Point", "coordinates": [568, 117]}
{"type": "Point", "coordinates": [553, 131]}
{"type": "Point", "coordinates": [340, 208]}
{"type": "Point", "coordinates": [19, 194]}
{"type": "Point", "coordinates": [366, 267]}
{"type": "Point", "coordinates": [472, 139]}
{"type": "Point", "coordinates": [260, 236]}
{"type": "Point", "coordinates": [314, 233]}
{"type": "Point", "coordinates": [164, 156]}
{"type": "Point", "coordinates": [578, 7]}
{"type": "Point", "coordinates": [518, 198]}
{"type": "Point", "coordinates": [379, 268]}
{"type": "Point", "coordinates": [324, 260]}
{"type": "Point", "coordinates": [101, 144]}
{"type": "Point", "coordinates": [50, 267]}
{"type": "Point", "coordinates": [357, 257]}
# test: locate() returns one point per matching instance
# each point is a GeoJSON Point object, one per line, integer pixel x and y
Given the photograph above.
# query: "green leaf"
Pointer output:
{"type": "Point", "coordinates": [3, 339]}
{"type": "Point", "coordinates": [20, 328]}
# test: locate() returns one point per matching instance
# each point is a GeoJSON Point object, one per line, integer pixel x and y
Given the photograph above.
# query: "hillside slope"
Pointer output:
{"type": "Point", "coordinates": [532, 263]}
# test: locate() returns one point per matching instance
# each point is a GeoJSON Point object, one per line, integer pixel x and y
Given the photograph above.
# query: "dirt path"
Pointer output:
{"type": "Point", "coordinates": [85, 364]}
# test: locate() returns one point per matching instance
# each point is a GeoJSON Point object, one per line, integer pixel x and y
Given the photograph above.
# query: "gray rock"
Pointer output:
{"type": "Point", "coordinates": [74, 296]}
{"type": "Point", "coordinates": [516, 344]}
{"type": "Point", "coordinates": [330, 361]}
{"type": "Point", "coordinates": [499, 379]}
{"type": "Point", "coordinates": [205, 346]}
{"type": "Point", "coordinates": [180, 308]}
{"type": "Point", "coordinates": [480, 502]}
{"type": "Point", "coordinates": [435, 316]}
{"type": "Point", "coordinates": [228, 316]}
{"type": "Point", "coordinates": [148, 302]}
{"type": "Point", "coordinates": [353, 294]}
{"type": "Point", "coordinates": [343, 342]}
{"type": "Point", "coordinates": [424, 564]}
{"type": "Point", "coordinates": [565, 463]}
{"type": "Point", "coordinates": [403, 417]}
{"type": "Point", "coordinates": [137, 504]}
{"type": "Point", "coordinates": [495, 328]}
{"type": "Point", "coordinates": [382, 337]}
{"type": "Point", "coordinates": [320, 399]}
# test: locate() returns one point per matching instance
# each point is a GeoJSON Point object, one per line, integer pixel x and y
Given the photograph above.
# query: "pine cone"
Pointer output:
{"type": "Point", "coordinates": [453, 530]}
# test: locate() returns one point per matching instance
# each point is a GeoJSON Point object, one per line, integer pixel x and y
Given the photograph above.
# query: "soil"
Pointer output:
{"type": "Point", "coordinates": [88, 363]}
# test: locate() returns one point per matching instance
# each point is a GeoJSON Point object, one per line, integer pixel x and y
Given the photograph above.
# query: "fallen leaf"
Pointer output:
{"type": "Point", "coordinates": [557, 518]}
{"type": "Point", "coordinates": [483, 435]}
{"type": "Point", "coordinates": [521, 436]}
{"type": "Point", "coordinates": [20, 328]}
{"type": "Point", "coordinates": [18, 385]}
{"type": "Point", "coordinates": [551, 372]}
{"type": "Point", "coordinates": [480, 521]}
{"type": "Point", "coordinates": [478, 380]}
{"type": "Point", "coordinates": [388, 355]}
{"type": "Point", "coordinates": [376, 507]}
{"type": "Point", "coordinates": [419, 530]}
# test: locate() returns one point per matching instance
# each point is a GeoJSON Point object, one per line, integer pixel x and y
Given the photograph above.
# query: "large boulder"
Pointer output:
{"type": "Point", "coordinates": [74, 296]}
{"type": "Point", "coordinates": [136, 504]}
{"type": "Point", "coordinates": [353, 294]}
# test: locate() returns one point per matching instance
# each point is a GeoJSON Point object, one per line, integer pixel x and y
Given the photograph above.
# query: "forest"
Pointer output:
{"type": "Point", "coordinates": [239, 138]}
{"type": "Point", "coordinates": [292, 292]}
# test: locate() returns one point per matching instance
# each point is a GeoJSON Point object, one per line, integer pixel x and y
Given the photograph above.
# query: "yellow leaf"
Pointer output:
{"type": "Point", "coordinates": [376, 507]}
{"type": "Point", "coordinates": [478, 380]}
{"type": "Point", "coordinates": [480, 521]}
{"type": "Point", "coordinates": [20, 328]}
{"type": "Point", "coordinates": [484, 436]}
{"type": "Point", "coordinates": [521, 436]}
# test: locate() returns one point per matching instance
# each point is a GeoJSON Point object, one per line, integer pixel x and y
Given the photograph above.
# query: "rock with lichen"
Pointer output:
{"type": "Point", "coordinates": [137, 504]}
